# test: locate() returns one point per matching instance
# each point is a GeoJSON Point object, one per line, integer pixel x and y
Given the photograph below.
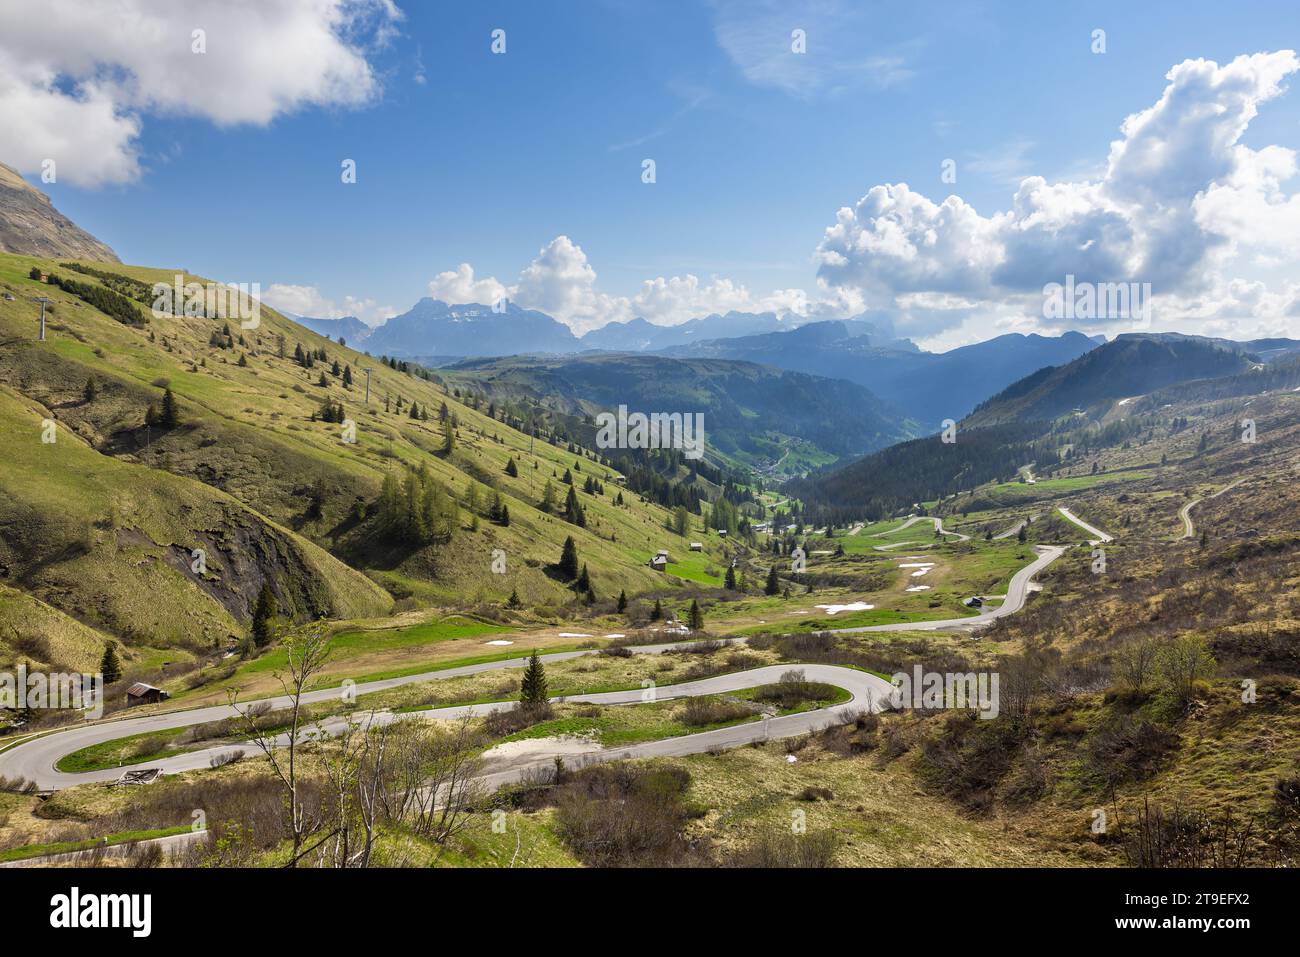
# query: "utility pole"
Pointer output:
{"type": "Point", "coordinates": [367, 387]}
{"type": "Point", "coordinates": [43, 300]}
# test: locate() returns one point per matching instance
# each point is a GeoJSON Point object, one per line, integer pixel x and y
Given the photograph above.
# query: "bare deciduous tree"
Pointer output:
{"type": "Point", "coordinates": [1135, 663]}
{"type": "Point", "coordinates": [306, 651]}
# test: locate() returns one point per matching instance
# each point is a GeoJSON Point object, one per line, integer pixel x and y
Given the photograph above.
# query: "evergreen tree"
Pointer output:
{"type": "Point", "coordinates": [448, 437]}
{"type": "Point", "coordinates": [658, 611]}
{"type": "Point", "coordinates": [263, 613]}
{"type": "Point", "coordinates": [91, 390]}
{"type": "Point", "coordinates": [170, 416]}
{"type": "Point", "coordinates": [569, 559]}
{"type": "Point", "coordinates": [109, 666]}
{"type": "Point", "coordinates": [622, 601]}
{"type": "Point", "coordinates": [584, 580]}
{"type": "Point", "coordinates": [696, 620]}
{"type": "Point", "coordinates": [548, 498]}
{"type": "Point", "coordinates": [773, 584]}
{"type": "Point", "coordinates": [532, 689]}
{"type": "Point", "coordinates": [573, 511]}
{"type": "Point", "coordinates": [347, 377]}
{"type": "Point", "coordinates": [731, 578]}
{"type": "Point", "coordinates": [1020, 535]}
{"type": "Point", "coordinates": [151, 415]}
{"type": "Point", "coordinates": [514, 601]}
{"type": "Point", "coordinates": [511, 469]}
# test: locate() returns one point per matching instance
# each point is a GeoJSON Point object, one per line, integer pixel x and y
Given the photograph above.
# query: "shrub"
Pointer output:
{"type": "Point", "coordinates": [786, 849]}
{"type": "Point", "coordinates": [698, 712]}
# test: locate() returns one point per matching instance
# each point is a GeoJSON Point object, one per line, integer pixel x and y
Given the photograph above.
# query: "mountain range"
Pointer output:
{"type": "Point", "coordinates": [924, 387]}
{"type": "Point", "coordinates": [778, 421]}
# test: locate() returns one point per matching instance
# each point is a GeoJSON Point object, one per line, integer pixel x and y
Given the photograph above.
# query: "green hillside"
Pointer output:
{"type": "Point", "coordinates": [101, 524]}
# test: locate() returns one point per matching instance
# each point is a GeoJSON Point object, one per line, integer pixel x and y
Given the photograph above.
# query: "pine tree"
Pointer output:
{"type": "Point", "coordinates": [151, 415]}
{"type": "Point", "coordinates": [731, 578]}
{"type": "Point", "coordinates": [584, 580]}
{"type": "Point", "coordinates": [347, 377]}
{"type": "Point", "coordinates": [532, 689]}
{"type": "Point", "coordinates": [511, 469]}
{"type": "Point", "coordinates": [448, 437]}
{"type": "Point", "coordinates": [622, 601]}
{"type": "Point", "coordinates": [548, 498]}
{"type": "Point", "coordinates": [658, 611]}
{"type": "Point", "coordinates": [773, 584]}
{"type": "Point", "coordinates": [110, 667]}
{"type": "Point", "coordinates": [263, 613]}
{"type": "Point", "coordinates": [696, 620]}
{"type": "Point", "coordinates": [513, 601]}
{"type": "Point", "coordinates": [569, 559]}
{"type": "Point", "coordinates": [504, 517]}
{"type": "Point", "coordinates": [169, 417]}
{"type": "Point", "coordinates": [1020, 535]}
{"type": "Point", "coordinates": [91, 391]}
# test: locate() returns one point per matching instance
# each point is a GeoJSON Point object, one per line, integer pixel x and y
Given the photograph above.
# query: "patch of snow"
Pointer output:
{"type": "Point", "coordinates": [498, 641]}
{"type": "Point", "coordinates": [573, 634]}
{"type": "Point", "coordinates": [918, 588]}
{"type": "Point", "coordinates": [853, 606]}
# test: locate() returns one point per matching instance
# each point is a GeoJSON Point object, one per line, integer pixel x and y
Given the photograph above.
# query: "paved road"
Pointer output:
{"type": "Point", "coordinates": [36, 759]}
{"type": "Point", "coordinates": [1185, 513]}
{"type": "Point", "coordinates": [936, 522]}
{"type": "Point", "coordinates": [1017, 591]}
{"type": "Point", "coordinates": [1091, 529]}
{"type": "Point", "coordinates": [1013, 530]}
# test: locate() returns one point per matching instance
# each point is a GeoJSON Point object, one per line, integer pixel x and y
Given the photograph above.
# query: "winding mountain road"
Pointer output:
{"type": "Point", "coordinates": [37, 757]}
{"type": "Point", "coordinates": [934, 520]}
{"type": "Point", "coordinates": [1090, 529]}
{"type": "Point", "coordinates": [1185, 513]}
{"type": "Point", "coordinates": [1017, 591]}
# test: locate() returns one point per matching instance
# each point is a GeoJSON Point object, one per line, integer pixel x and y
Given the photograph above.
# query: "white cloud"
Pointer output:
{"type": "Point", "coordinates": [308, 301]}
{"type": "Point", "coordinates": [76, 77]}
{"type": "Point", "coordinates": [756, 36]}
{"type": "Point", "coordinates": [561, 282]}
{"type": "Point", "coordinates": [460, 286]}
{"type": "Point", "coordinates": [1182, 204]}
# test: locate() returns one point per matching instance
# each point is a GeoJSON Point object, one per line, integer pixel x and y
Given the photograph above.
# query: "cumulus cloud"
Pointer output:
{"type": "Point", "coordinates": [561, 282]}
{"type": "Point", "coordinates": [1181, 200]}
{"type": "Point", "coordinates": [308, 301]}
{"type": "Point", "coordinates": [459, 285]}
{"type": "Point", "coordinates": [76, 78]}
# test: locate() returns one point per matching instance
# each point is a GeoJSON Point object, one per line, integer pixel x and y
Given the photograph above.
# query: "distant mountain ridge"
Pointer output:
{"type": "Point", "coordinates": [753, 414]}
{"type": "Point", "coordinates": [927, 386]}
{"type": "Point", "coordinates": [433, 328]}
{"type": "Point", "coordinates": [349, 329]}
{"type": "Point", "coordinates": [1133, 364]}
{"type": "Point", "coordinates": [31, 226]}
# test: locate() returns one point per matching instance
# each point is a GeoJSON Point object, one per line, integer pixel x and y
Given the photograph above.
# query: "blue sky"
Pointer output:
{"type": "Point", "coordinates": [464, 156]}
